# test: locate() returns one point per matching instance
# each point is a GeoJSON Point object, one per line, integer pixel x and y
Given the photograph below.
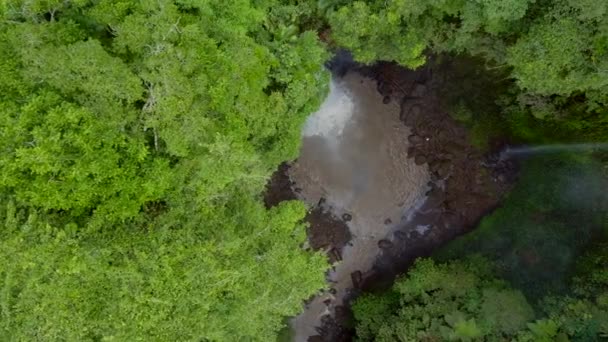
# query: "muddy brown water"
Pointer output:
{"type": "Point", "coordinates": [354, 161]}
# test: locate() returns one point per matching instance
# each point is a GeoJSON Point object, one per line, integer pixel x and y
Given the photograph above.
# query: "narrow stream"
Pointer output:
{"type": "Point", "coordinates": [354, 157]}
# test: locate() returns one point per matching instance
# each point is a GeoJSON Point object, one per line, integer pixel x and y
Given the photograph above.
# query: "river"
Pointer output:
{"type": "Point", "coordinates": [354, 156]}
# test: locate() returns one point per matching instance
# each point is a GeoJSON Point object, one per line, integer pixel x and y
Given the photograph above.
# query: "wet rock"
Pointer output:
{"type": "Point", "coordinates": [325, 321]}
{"type": "Point", "coordinates": [411, 152]}
{"type": "Point", "coordinates": [443, 169]}
{"type": "Point", "coordinates": [433, 165]}
{"type": "Point", "coordinates": [419, 90]}
{"type": "Point", "coordinates": [448, 221]}
{"type": "Point", "coordinates": [335, 255]}
{"type": "Point", "coordinates": [343, 314]}
{"type": "Point", "coordinates": [419, 159]}
{"type": "Point", "coordinates": [455, 149]}
{"type": "Point", "coordinates": [357, 279]}
{"type": "Point", "coordinates": [385, 244]}
{"type": "Point", "coordinates": [325, 231]}
{"type": "Point", "coordinates": [435, 176]}
{"type": "Point", "coordinates": [382, 88]}
{"type": "Point", "coordinates": [386, 99]}
{"type": "Point", "coordinates": [411, 115]}
{"type": "Point", "coordinates": [435, 199]}
{"type": "Point", "coordinates": [415, 111]}
{"type": "Point", "coordinates": [414, 234]}
{"type": "Point", "coordinates": [316, 338]}
{"type": "Point", "coordinates": [442, 135]}
{"type": "Point", "coordinates": [415, 139]}
{"type": "Point", "coordinates": [451, 205]}
{"type": "Point", "coordinates": [347, 217]}
{"type": "Point", "coordinates": [401, 235]}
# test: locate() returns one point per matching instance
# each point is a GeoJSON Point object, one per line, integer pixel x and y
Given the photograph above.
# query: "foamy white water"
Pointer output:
{"type": "Point", "coordinates": [335, 112]}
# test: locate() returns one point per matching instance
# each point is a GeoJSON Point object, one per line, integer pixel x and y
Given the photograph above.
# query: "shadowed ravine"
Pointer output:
{"type": "Point", "coordinates": [383, 154]}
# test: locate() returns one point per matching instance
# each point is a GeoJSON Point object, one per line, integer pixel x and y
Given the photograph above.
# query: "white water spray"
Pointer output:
{"type": "Point", "coordinates": [556, 148]}
{"type": "Point", "coordinates": [334, 114]}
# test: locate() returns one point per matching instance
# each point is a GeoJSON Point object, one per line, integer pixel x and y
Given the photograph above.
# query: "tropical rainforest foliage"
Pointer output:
{"type": "Point", "coordinates": [135, 140]}
{"type": "Point", "coordinates": [555, 50]}
{"type": "Point", "coordinates": [463, 301]}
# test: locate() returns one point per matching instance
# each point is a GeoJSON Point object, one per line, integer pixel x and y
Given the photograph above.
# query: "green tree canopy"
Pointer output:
{"type": "Point", "coordinates": [135, 141]}
{"type": "Point", "coordinates": [555, 51]}
{"type": "Point", "coordinates": [457, 301]}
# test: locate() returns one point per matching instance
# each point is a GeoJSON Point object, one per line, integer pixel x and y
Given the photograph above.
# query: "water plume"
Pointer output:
{"type": "Point", "coordinates": [553, 148]}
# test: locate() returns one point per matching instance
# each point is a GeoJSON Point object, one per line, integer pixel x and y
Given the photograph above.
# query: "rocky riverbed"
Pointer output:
{"type": "Point", "coordinates": [389, 176]}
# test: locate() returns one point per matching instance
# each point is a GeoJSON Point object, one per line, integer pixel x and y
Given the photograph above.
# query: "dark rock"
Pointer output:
{"type": "Point", "coordinates": [401, 235]}
{"type": "Point", "coordinates": [435, 176]}
{"type": "Point", "coordinates": [433, 165]}
{"type": "Point", "coordinates": [343, 313]}
{"type": "Point", "coordinates": [333, 291]}
{"type": "Point", "coordinates": [420, 159]}
{"type": "Point", "coordinates": [297, 190]}
{"type": "Point", "coordinates": [381, 87]}
{"type": "Point", "coordinates": [451, 205]}
{"type": "Point", "coordinates": [347, 217]}
{"type": "Point", "coordinates": [411, 152]}
{"type": "Point", "coordinates": [435, 198]}
{"type": "Point", "coordinates": [388, 221]}
{"type": "Point", "coordinates": [325, 230]}
{"type": "Point", "coordinates": [386, 99]}
{"type": "Point", "coordinates": [415, 111]}
{"type": "Point", "coordinates": [419, 90]}
{"type": "Point", "coordinates": [357, 278]}
{"type": "Point", "coordinates": [415, 139]}
{"type": "Point", "coordinates": [411, 115]}
{"type": "Point", "coordinates": [455, 148]}
{"type": "Point", "coordinates": [385, 244]}
{"type": "Point", "coordinates": [335, 254]}
{"type": "Point", "coordinates": [443, 169]}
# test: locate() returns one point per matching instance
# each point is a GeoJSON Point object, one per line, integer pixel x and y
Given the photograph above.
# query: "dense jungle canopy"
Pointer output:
{"type": "Point", "coordinates": [136, 138]}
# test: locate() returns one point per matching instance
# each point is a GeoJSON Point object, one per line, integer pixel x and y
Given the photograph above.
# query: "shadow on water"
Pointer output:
{"type": "Point", "coordinates": [341, 63]}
